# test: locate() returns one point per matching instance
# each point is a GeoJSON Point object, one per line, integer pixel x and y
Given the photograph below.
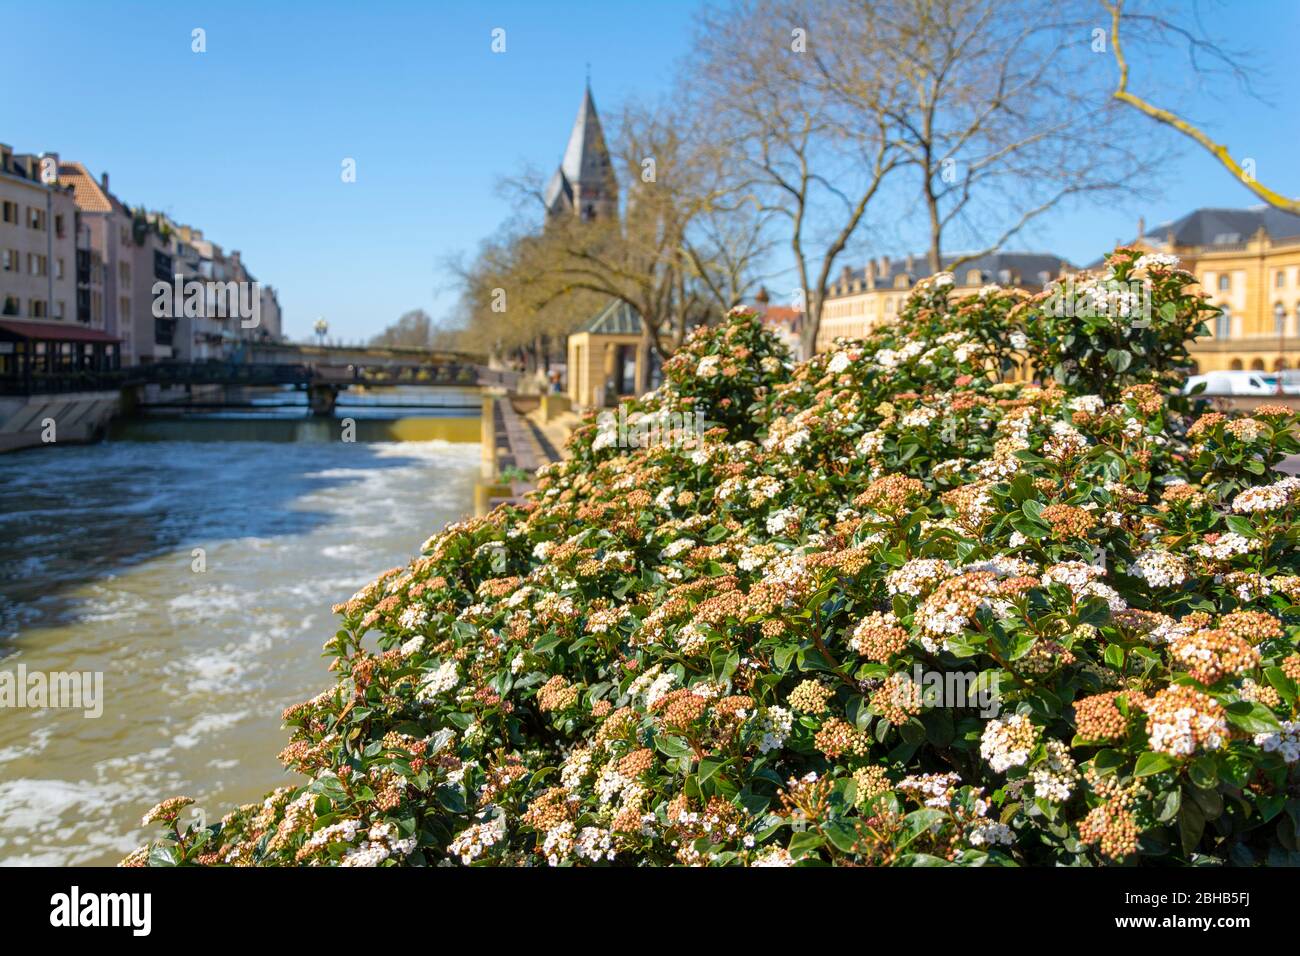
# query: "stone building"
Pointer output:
{"type": "Point", "coordinates": [1248, 262]}
{"type": "Point", "coordinates": [863, 298]}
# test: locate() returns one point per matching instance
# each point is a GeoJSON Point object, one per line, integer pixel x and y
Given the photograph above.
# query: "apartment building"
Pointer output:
{"type": "Point", "coordinates": [861, 299]}
{"type": "Point", "coordinates": [153, 260]}
{"type": "Point", "coordinates": [38, 251]}
{"type": "Point", "coordinates": [1248, 262]}
{"type": "Point", "coordinates": [106, 254]}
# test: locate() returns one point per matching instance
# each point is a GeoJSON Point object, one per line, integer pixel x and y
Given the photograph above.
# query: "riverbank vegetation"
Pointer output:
{"type": "Point", "coordinates": [897, 606]}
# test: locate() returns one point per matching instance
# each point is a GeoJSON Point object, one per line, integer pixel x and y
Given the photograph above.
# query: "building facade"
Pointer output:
{"type": "Point", "coordinates": [861, 299]}
{"type": "Point", "coordinates": [1248, 262]}
{"type": "Point", "coordinates": [106, 257]}
{"type": "Point", "coordinates": [72, 252]}
{"type": "Point", "coordinates": [38, 241]}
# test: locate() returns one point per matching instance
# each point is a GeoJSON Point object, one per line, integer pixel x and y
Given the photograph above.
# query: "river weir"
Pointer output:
{"type": "Point", "coordinates": [192, 560]}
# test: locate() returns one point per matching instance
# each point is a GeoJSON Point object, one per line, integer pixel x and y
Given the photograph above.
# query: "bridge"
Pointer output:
{"type": "Point", "coordinates": [323, 371]}
{"type": "Point", "coordinates": [81, 385]}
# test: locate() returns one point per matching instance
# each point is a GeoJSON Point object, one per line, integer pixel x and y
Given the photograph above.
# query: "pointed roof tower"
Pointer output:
{"type": "Point", "coordinates": [584, 184]}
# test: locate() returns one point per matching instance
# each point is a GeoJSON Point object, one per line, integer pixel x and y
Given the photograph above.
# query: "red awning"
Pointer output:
{"type": "Point", "coordinates": [49, 332]}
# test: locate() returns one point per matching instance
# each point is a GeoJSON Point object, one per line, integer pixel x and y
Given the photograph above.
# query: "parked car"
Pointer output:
{"type": "Point", "coordinates": [1233, 382]}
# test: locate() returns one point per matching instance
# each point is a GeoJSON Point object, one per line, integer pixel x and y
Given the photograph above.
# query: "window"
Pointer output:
{"type": "Point", "coordinates": [36, 308]}
{"type": "Point", "coordinates": [124, 271]}
{"type": "Point", "coordinates": [1279, 279]}
{"type": "Point", "coordinates": [58, 268]}
{"type": "Point", "coordinates": [1279, 318]}
{"type": "Point", "coordinates": [11, 212]}
{"type": "Point", "coordinates": [8, 260]}
{"type": "Point", "coordinates": [974, 277]}
{"type": "Point", "coordinates": [1223, 324]}
{"type": "Point", "coordinates": [11, 305]}
{"type": "Point", "coordinates": [58, 226]}
{"type": "Point", "coordinates": [1225, 283]}
{"type": "Point", "coordinates": [59, 309]}
{"type": "Point", "coordinates": [37, 265]}
{"type": "Point", "coordinates": [36, 218]}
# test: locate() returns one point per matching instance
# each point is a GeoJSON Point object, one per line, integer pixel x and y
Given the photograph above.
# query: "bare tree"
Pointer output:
{"type": "Point", "coordinates": [794, 151]}
{"type": "Point", "coordinates": [994, 106]}
{"type": "Point", "coordinates": [1200, 47]}
{"type": "Point", "coordinates": [680, 250]}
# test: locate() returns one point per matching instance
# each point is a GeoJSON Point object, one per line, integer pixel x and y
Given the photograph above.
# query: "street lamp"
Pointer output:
{"type": "Point", "coordinates": [321, 327]}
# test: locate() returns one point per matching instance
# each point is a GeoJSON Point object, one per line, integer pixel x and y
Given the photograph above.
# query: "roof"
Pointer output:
{"type": "Point", "coordinates": [1216, 227]}
{"type": "Point", "coordinates": [558, 188]}
{"type": "Point", "coordinates": [1028, 265]}
{"type": "Point", "coordinates": [89, 194]}
{"type": "Point", "coordinates": [586, 156]}
{"type": "Point", "coordinates": [57, 333]}
{"type": "Point", "coordinates": [781, 315]}
{"type": "Point", "coordinates": [617, 318]}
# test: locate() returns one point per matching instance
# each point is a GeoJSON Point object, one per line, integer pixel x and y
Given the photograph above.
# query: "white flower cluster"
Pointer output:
{"type": "Point", "coordinates": [1272, 497]}
{"type": "Point", "coordinates": [444, 679]}
{"type": "Point", "coordinates": [918, 575]}
{"type": "Point", "coordinates": [1160, 569]}
{"type": "Point", "coordinates": [1286, 741]}
{"type": "Point", "coordinates": [1007, 743]}
{"type": "Point", "coordinates": [381, 843]}
{"type": "Point", "coordinates": [1225, 546]}
{"type": "Point", "coordinates": [1162, 260]}
{"type": "Point", "coordinates": [775, 724]}
{"type": "Point", "coordinates": [839, 362]}
{"type": "Point", "coordinates": [676, 548]}
{"type": "Point", "coordinates": [1055, 777]}
{"type": "Point", "coordinates": [779, 521]}
{"type": "Point", "coordinates": [414, 616]}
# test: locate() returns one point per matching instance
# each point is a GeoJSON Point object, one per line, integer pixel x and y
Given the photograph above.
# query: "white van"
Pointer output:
{"type": "Point", "coordinates": [1233, 382]}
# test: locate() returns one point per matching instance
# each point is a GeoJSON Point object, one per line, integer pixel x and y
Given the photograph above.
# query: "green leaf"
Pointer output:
{"type": "Point", "coordinates": [1203, 772]}
{"type": "Point", "coordinates": [1150, 763]}
{"type": "Point", "coordinates": [1253, 718]}
{"type": "Point", "coordinates": [801, 844]}
{"type": "Point", "coordinates": [708, 767]}
{"type": "Point", "coordinates": [1191, 824]}
{"type": "Point", "coordinates": [1118, 359]}
{"type": "Point", "coordinates": [673, 746]}
{"type": "Point", "coordinates": [842, 836]}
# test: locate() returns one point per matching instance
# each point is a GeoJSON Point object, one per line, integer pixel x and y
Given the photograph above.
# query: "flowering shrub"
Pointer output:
{"type": "Point", "coordinates": [894, 609]}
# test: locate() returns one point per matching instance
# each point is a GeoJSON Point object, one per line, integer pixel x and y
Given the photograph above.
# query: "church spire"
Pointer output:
{"type": "Point", "coordinates": [584, 184]}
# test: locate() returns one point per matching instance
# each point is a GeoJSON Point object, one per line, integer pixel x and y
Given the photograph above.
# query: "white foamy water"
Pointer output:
{"type": "Point", "coordinates": [97, 556]}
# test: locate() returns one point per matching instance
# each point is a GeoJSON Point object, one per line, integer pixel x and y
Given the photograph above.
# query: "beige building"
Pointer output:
{"type": "Point", "coordinates": [105, 245]}
{"type": "Point", "coordinates": [1248, 262]}
{"type": "Point", "coordinates": [864, 298]}
{"type": "Point", "coordinates": [606, 356]}
{"type": "Point", "coordinates": [38, 251]}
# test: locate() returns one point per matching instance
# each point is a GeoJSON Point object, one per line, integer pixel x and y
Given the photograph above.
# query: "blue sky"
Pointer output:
{"type": "Point", "coordinates": [246, 140]}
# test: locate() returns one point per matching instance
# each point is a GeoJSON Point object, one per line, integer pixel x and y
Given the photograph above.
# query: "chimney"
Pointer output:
{"type": "Point", "coordinates": [6, 154]}
{"type": "Point", "coordinates": [846, 277]}
{"type": "Point", "coordinates": [762, 298]}
{"type": "Point", "coordinates": [909, 263]}
{"type": "Point", "coordinates": [1142, 227]}
{"type": "Point", "coordinates": [884, 268]}
{"type": "Point", "coordinates": [103, 181]}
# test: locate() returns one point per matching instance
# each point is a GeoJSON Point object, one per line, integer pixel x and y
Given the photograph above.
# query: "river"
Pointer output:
{"type": "Point", "coordinates": [197, 577]}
